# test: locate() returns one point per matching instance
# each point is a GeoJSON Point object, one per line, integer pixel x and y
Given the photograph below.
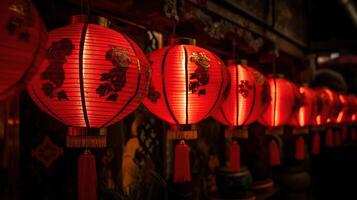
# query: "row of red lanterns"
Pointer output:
{"type": "Point", "coordinates": [93, 76]}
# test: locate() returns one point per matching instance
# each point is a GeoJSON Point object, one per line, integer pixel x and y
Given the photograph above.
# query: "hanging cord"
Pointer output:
{"type": "Point", "coordinates": [275, 57]}
{"type": "Point", "coordinates": [234, 45]}
{"type": "Point", "coordinates": [88, 8]}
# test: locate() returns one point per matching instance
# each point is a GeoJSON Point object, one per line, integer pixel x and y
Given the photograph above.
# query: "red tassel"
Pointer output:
{"type": "Point", "coordinates": [87, 177]}
{"type": "Point", "coordinates": [182, 163]}
{"type": "Point", "coordinates": [353, 134]}
{"type": "Point", "coordinates": [234, 157]}
{"type": "Point", "coordinates": [344, 133]}
{"type": "Point", "coordinates": [329, 138]}
{"type": "Point", "coordinates": [300, 149]}
{"type": "Point", "coordinates": [337, 138]}
{"type": "Point", "coordinates": [274, 153]}
{"type": "Point", "coordinates": [316, 144]}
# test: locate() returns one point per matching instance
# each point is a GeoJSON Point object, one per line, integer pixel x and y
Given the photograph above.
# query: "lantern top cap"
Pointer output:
{"type": "Point", "coordinates": [182, 40]}
{"type": "Point", "coordinates": [90, 19]}
{"type": "Point", "coordinates": [276, 76]}
{"type": "Point", "coordinates": [232, 62]}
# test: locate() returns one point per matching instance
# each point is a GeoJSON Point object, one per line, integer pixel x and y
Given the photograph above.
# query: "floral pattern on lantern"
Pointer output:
{"type": "Point", "coordinates": [92, 76]}
{"type": "Point", "coordinates": [188, 83]}
{"type": "Point", "coordinates": [248, 96]}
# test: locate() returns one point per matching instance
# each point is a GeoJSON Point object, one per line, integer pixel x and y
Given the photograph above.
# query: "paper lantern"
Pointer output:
{"type": "Point", "coordinates": [23, 39]}
{"type": "Point", "coordinates": [284, 102]}
{"type": "Point", "coordinates": [188, 83]}
{"type": "Point", "coordinates": [343, 106]}
{"type": "Point", "coordinates": [323, 106]}
{"type": "Point", "coordinates": [306, 112]}
{"type": "Point", "coordinates": [350, 115]}
{"type": "Point", "coordinates": [92, 76]}
{"type": "Point", "coordinates": [335, 108]}
{"type": "Point", "coordinates": [248, 96]}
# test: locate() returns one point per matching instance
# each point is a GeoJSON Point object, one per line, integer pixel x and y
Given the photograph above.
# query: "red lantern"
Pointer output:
{"type": "Point", "coordinates": [248, 96]}
{"type": "Point", "coordinates": [23, 39]}
{"type": "Point", "coordinates": [188, 84]}
{"type": "Point", "coordinates": [306, 112]}
{"type": "Point", "coordinates": [342, 115]}
{"type": "Point", "coordinates": [284, 102]}
{"type": "Point", "coordinates": [335, 107]}
{"type": "Point", "coordinates": [323, 106]}
{"type": "Point", "coordinates": [350, 115]}
{"type": "Point", "coordinates": [92, 76]}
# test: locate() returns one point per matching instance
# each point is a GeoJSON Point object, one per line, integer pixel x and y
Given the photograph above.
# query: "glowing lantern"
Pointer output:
{"type": "Point", "coordinates": [324, 105]}
{"type": "Point", "coordinates": [284, 102]}
{"type": "Point", "coordinates": [22, 44]}
{"type": "Point", "coordinates": [342, 115]}
{"type": "Point", "coordinates": [248, 96]}
{"type": "Point", "coordinates": [187, 86]}
{"type": "Point", "coordinates": [351, 110]}
{"type": "Point", "coordinates": [306, 112]}
{"type": "Point", "coordinates": [92, 76]}
{"type": "Point", "coordinates": [188, 83]}
{"type": "Point", "coordinates": [335, 108]}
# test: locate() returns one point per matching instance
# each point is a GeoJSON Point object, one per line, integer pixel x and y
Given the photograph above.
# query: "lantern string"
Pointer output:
{"type": "Point", "coordinates": [234, 49]}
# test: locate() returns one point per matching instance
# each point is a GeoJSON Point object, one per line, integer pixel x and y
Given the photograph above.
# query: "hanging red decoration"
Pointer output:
{"type": "Point", "coordinates": [322, 107]}
{"type": "Point", "coordinates": [344, 133]}
{"type": "Point", "coordinates": [284, 102]}
{"type": "Point", "coordinates": [274, 153]}
{"type": "Point", "coordinates": [337, 138]}
{"type": "Point", "coordinates": [92, 76]}
{"type": "Point", "coordinates": [316, 144]}
{"type": "Point", "coordinates": [300, 149]}
{"type": "Point", "coordinates": [351, 111]}
{"type": "Point", "coordinates": [335, 107]}
{"type": "Point", "coordinates": [182, 172]}
{"type": "Point", "coordinates": [353, 134]}
{"type": "Point", "coordinates": [234, 154]}
{"type": "Point", "coordinates": [342, 106]}
{"type": "Point", "coordinates": [23, 39]}
{"type": "Point", "coordinates": [87, 177]}
{"type": "Point", "coordinates": [329, 139]}
{"type": "Point", "coordinates": [188, 85]}
{"type": "Point", "coordinates": [307, 110]}
{"type": "Point", "coordinates": [248, 96]}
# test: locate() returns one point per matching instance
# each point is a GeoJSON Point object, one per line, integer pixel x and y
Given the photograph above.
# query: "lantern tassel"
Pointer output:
{"type": "Point", "coordinates": [300, 149]}
{"type": "Point", "coordinates": [234, 157]}
{"type": "Point", "coordinates": [344, 133]}
{"type": "Point", "coordinates": [87, 177]}
{"type": "Point", "coordinates": [337, 138]}
{"type": "Point", "coordinates": [274, 153]}
{"type": "Point", "coordinates": [316, 144]}
{"type": "Point", "coordinates": [353, 134]}
{"type": "Point", "coordinates": [182, 163]}
{"type": "Point", "coordinates": [329, 138]}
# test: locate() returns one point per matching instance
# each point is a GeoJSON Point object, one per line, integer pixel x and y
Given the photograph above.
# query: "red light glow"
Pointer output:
{"type": "Point", "coordinates": [92, 76]}
{"type": "Point", "coordinates": [188, 84]}
{"type": "Point", "coordinates": [247, 98]}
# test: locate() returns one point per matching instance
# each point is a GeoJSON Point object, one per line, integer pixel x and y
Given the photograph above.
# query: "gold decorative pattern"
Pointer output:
{"type": "Point", "coordinates": [201, 59]}
{"type": "Point", "coordinates": [182, 135]}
